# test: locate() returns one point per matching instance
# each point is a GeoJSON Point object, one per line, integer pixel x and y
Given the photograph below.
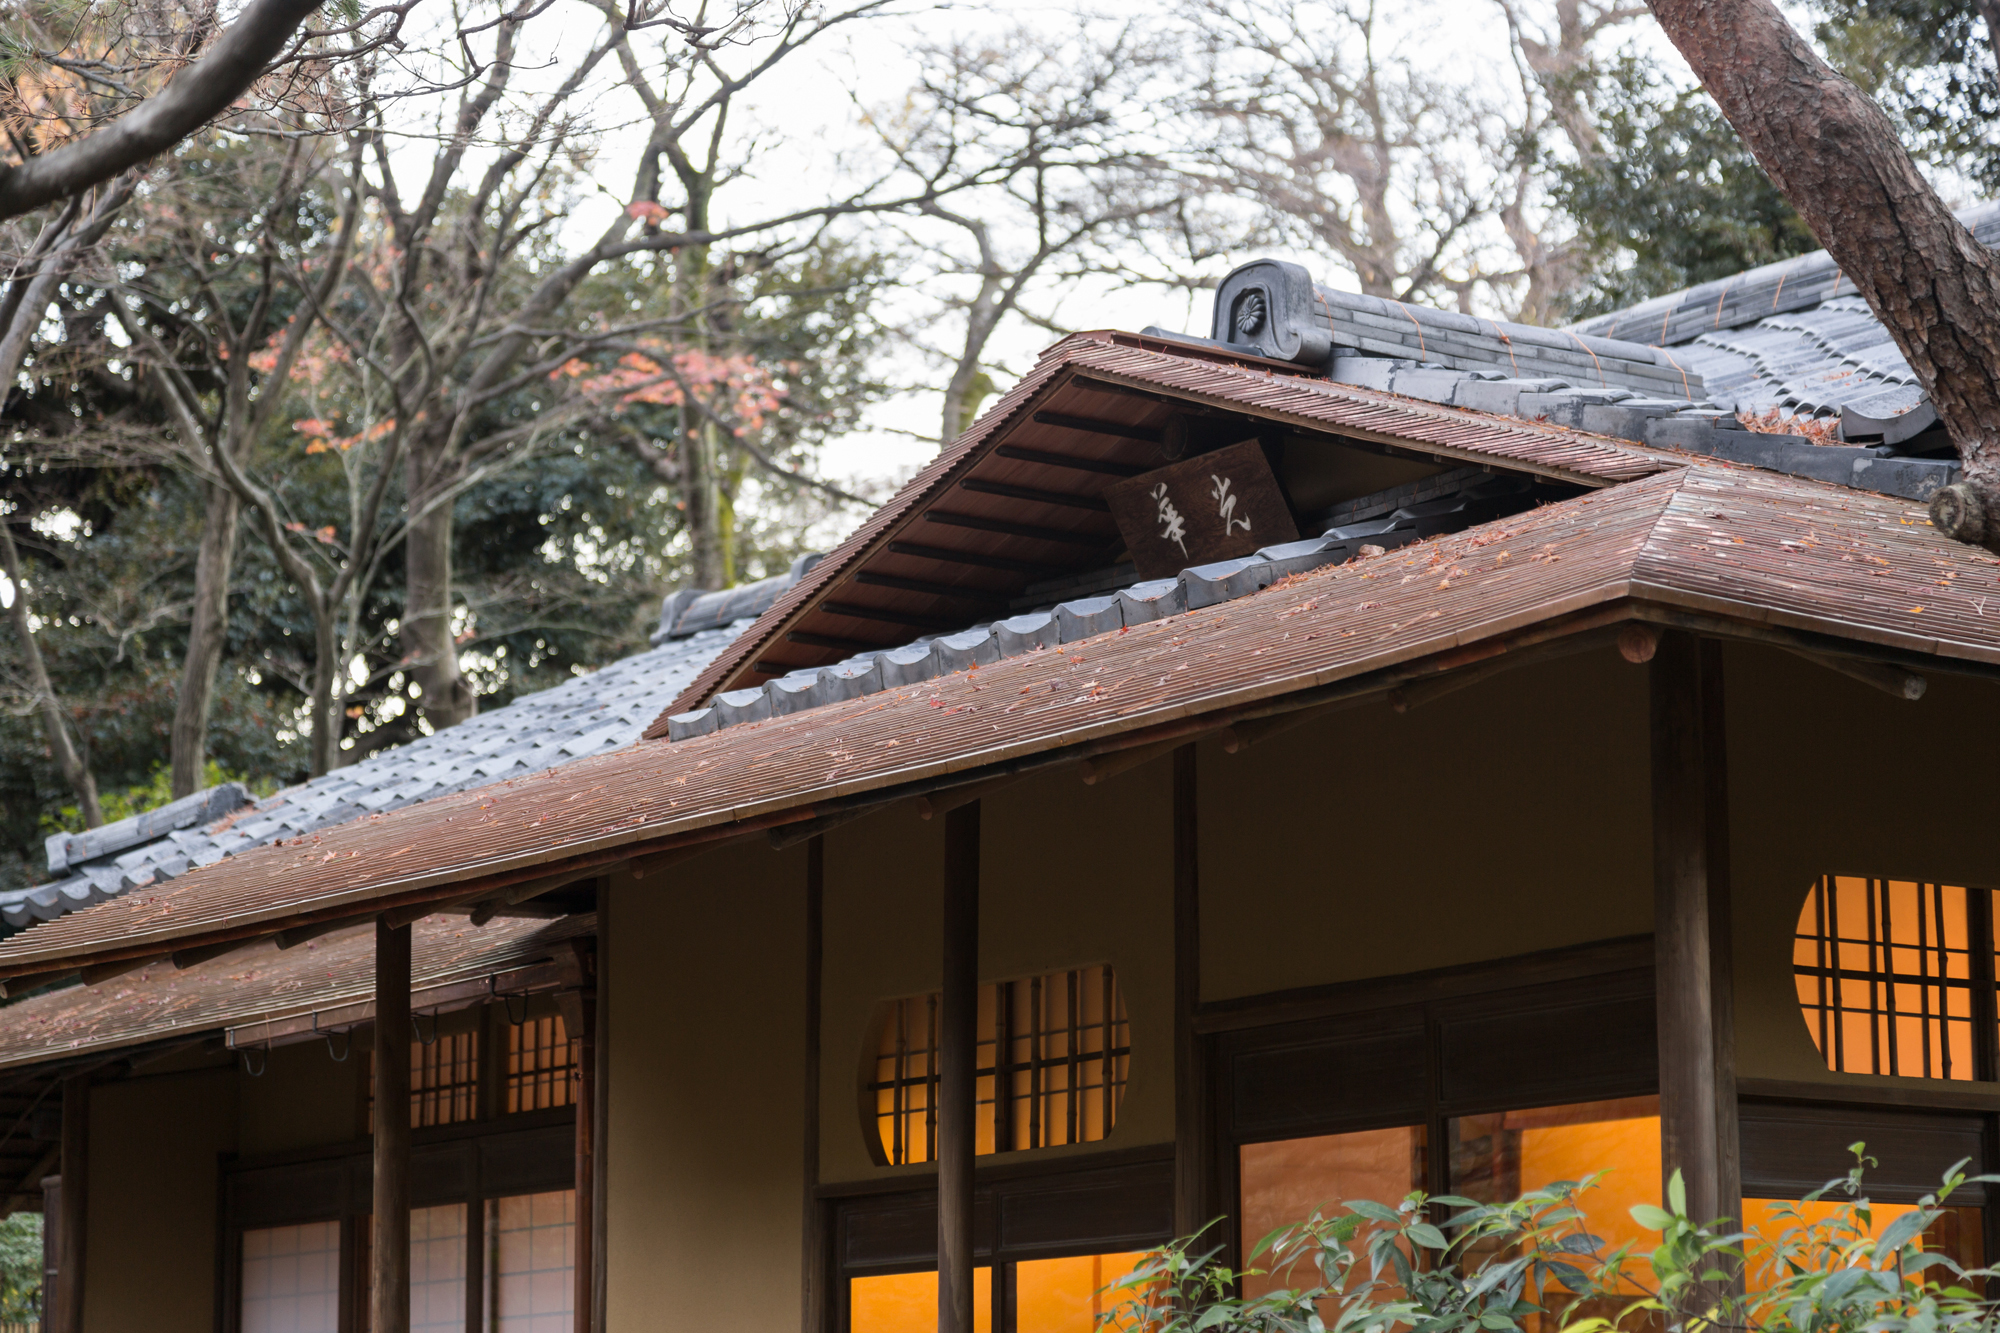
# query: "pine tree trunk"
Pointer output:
{"type": "Point", "coordinates": [1835, 155]}
{"type": "Point", "coordinates": [428, 646]}
{"type": "Point", "coordinates": [208, 629]}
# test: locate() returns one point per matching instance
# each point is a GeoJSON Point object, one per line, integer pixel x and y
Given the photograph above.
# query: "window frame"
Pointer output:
{"type": "Point", "coordinates": [1106, 1203]}
{"type": "Point", "coordinates": [532, 1152]}
{"type": "Point", "coordinates": [1980, 981]}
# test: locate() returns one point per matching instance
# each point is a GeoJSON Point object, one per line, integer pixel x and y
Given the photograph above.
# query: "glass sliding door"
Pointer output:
{"type": "Point", "coordinates": [291, 1279]}
{"type": "Point", "coordinates": [531, 1263]}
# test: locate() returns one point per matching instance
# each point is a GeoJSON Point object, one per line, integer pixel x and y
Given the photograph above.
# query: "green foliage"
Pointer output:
{"type": "Point", "coordinates": [1674, 200]}
{"type": "Point", "coordinates": [154, 792]}
{"type": "Point", "coordinates": [1930, 64]}
{"type": "Point", "coordinates": [21, 1268]}
{"type": "Point", "coordinates": [1505, 1267]}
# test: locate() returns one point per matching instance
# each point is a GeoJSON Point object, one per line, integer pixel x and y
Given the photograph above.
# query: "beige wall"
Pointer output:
{"type": "Point", "coordinates": [1507, 817]}
{"type": "Point", "coordinates": [1070, 875]}
{"type": "Point", "coordinates": [706, 1142]}
{"type": "Point", "coordinates": [149, 1264]}
{"type": "Point", "coordinates": [1829, 776]}
{"type": "Point", "coordinates": [304, 1098]}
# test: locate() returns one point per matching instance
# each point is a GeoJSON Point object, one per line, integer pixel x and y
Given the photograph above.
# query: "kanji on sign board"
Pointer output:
{"type": "Point", "coordinates": [1215, 507]}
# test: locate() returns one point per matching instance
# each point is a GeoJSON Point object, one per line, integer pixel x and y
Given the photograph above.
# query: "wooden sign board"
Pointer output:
{"type": "Point", "coordinates": [1218, 506]}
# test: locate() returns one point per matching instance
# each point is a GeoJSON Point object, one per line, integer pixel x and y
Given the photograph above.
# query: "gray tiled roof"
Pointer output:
{"type": "Point", "coordinates": [1675, 371]}
{"type": "Point", "coordinates": [601, 711]}
{"type": "Point", "coordinates": [1794, 336]}
{"type": "Point", "coordinates": [1471, 497]}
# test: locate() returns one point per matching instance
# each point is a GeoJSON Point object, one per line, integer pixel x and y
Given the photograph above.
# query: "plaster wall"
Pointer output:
{"type": "Point", "coordinates": [303, 1098]}
{"type": "Point", "coordinates": [1505, 818]}
{"type": "Point", "coordinates": [149, 1248]}
{"type": "Point", "coordinates": [1070, 875]}
{"type": "Point", "coordinates": [704, 973]}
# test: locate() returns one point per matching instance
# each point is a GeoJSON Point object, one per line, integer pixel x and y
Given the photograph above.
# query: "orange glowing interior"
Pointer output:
{"type": "Point", "coordinates": [1957, 1233]}
{"type": "Point", "coordinates": [1067, 1295]}
{"type": "Point", "coordinates": [1883, 970]}
{"type": "Point", "coordinates": [1283, 1183]}
{"type": "Point", "coordinates": [908, 1303]}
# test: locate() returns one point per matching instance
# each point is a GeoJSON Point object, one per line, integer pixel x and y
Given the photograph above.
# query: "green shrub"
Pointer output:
{"type": "Point", "coordinates": [1444, 1264]}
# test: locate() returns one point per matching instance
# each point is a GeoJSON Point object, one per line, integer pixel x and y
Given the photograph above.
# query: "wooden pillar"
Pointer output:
{"type": "Point", "coordinates": [389, 1255]}
{"type": "Point", "coordinates": [1692, 963]}
{"type": "Point", "coordinates": [958, 1035]}
{"type": "Point", "coordinates": [815, 1306]}
{"type": "Point", "coordinates": [72, 1207]}
{"type": "Point", "coordinates": [580, 1020]}
{"type": "Point", "coordinates": [600, 1111]}
{"type": "Point", "coordinates": [1191, 1134]}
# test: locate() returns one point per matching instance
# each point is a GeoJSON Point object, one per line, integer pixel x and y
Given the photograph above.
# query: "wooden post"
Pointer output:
{"type": "Point", "coordinates": [72, 1207]}
{"type": "Point", "coordinates": [580, 1019]}
{"type": "Point", "coordinates": [958, 1035]}
{"type": "Point", "coordinates": [600, 1113]}
{"type": "Point", "coordinates": [389, 1255]}
{"type": "Point", "coordinates": [815, 1308]}
{"type": "Point", "coordinates": [1191, 1165]}
{"type": "Point", "coordinates": [1692, 964]}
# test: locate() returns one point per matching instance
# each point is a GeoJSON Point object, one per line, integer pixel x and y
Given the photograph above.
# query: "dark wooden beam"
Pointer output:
{"type": "Point", "coordinates": [958, 1037]}
{"type": "Point", "coordinates": [816, 1310]}
{"type": "Point", "coordinates": [888, 617]}
{"type": "Point", "coordinates": [1006, 528]}
{"type": "Point", "coordinates": [1102, 466]}
{"type": "Point", "coordinates": [73, 1208]}
{"type": "Point", "coordinates": [1691, 932]}
{"type": "Point", "coordinates": [1191, 1167]}
{"type": "Point", "coordinates": [1036, 495]}
{"type": "Point", "coordinates": [1116, 429]}
{"type": "Point", "coordinates": [980, 596]}
{"type": "Point", "coordinates": [390, 1251]}
{"type": "Point", "coordinates": [977, 559]}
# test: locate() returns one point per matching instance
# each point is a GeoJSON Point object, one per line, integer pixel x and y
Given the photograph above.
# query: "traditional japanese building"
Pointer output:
{"type": "Point", "coordinates": [1367, 749]}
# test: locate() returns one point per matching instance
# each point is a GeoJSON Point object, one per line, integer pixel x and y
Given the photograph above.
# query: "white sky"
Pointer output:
{"type": "Point", "coordinates": [805, 119]}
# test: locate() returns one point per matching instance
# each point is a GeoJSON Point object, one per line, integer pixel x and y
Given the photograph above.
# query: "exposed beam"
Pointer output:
{"type": "Point", "coordinates": [14, 987]}
{"type": "Point", "coordinates": [977, 559]}
{"type": "Point", "coordinates": [1103, 767]}
{"type": "Point", "coordinates": [944, 801]}
{"type": "Point", "coordinates": [187, 958]}
{"type": "Point", "coordinates": [1006, 528]}
{"type": "Point", "coordinates": [1090, 425]}
{"type": "Point", "coordinates": [888, 617]}
{"type": "Point", "coordinates": [1035, 495]}
{"type": "Point", "coordinates": [1075, 462]}
{"type": "Point", "coordinates": [521, 893]}
{"type": "Point", "coordinates": [93, 976]}
{"type": "Point", "coordinates": [1891, 680]}
{"type": "Point", "coordinates": [297, 935]}
{"type": "Point", "coordinates": [808, 639]}
{"type": "Point", "coordinates": [979, 596]}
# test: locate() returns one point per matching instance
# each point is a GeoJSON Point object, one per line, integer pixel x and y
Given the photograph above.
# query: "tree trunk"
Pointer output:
{"type": "Point", "coordinates": [428, 646]}
{"type": "Point", "coordinates": [703, 498]}
{"type": "Point", "coordinates": [208, 629]}
{"type": "Point", "coordinates": [75, 772]}
{"type": "Point", "coordinates": [1836, 157]}
{"type": "Point", "coordinates": [327, 696]}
